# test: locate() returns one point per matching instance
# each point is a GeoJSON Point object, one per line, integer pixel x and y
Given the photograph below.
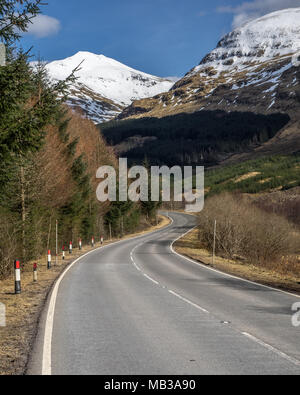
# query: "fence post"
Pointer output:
{"type": "Point", "coordinates": [17, 278]}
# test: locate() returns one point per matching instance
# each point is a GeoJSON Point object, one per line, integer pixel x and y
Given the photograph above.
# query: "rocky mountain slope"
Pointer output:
{"type": "Point", "coordinates": [255, 68]}
{"type": "Point", "coordinates": [104, 86]}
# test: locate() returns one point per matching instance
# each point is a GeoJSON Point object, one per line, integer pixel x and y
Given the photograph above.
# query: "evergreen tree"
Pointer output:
{"type": "Point", "coordinates": [15, 17]}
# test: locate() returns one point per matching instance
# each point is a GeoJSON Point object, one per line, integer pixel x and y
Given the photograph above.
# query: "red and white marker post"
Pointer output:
{"type": "Point", "coordinates": [102, 240]}
{"type": "Point", "coordinates": [49, 260]}
{"type": "Point", "coordinates": [80, 244]}
{"type": "Point", "coordinates": [70, 247]}
{"type": "Point", "coordinates": [17, 278]}
{"type": "Point", "coordinates": [63, 253]}
{"type": "Point", "coordinates": [93, 241]}
{"type": "Point", "coordinates": [35, 275]}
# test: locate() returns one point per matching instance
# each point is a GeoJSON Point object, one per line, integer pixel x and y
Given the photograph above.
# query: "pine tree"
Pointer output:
{"type": "Point", "coordinates": [150, 207]}
{"type": "Point", "coordinates": [15, 17]}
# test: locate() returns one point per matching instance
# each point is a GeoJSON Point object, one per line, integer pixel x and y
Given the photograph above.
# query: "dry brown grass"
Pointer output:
{"type": "Point", "coordinates": [247, 176]}
{"type": "Point", "coordinates": [284, 275]}
{"type": "Point", "coordinates": [23, 311]}
{"type": "Point", "coordinates": [246, 231]}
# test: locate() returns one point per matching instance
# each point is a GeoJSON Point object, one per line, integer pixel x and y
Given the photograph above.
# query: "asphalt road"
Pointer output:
{"type": "Point", "coordinates": [137, 308]}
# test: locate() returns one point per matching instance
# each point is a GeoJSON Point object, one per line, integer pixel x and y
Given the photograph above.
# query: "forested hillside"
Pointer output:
{"type": "Point", "coordinates": [204, 137]}
{"type": "Point", "coordinates": [49, 157]}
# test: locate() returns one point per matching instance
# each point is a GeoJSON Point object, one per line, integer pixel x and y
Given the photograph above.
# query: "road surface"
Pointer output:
{"type": "Point", "coordinates": [136, 307]}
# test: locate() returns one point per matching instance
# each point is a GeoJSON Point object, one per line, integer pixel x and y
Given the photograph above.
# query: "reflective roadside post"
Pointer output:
{"type": "Point", "coordinates": [35, 275]}
{"type": "Point", "coordinates": [17, 277]}
{"type": "Point", "coordinates": [49, 260]}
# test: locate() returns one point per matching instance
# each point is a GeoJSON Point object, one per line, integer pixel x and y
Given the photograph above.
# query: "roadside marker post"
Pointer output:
{"type": "Point", "coordinates": [70, 247]}
{"type": "Point", "coordinates": [102, 240]}
{"type": "Point", "coordinates": [80, 244]}
{"type": "Point", "coordinates": [93, 242]}
{"type": "Point", "coordinates": [63, 253]}
{"type": "Point", "coordinates": [17, 278]}
{"type": "Point", "coordinates": [35, 275]}
{"type": "Point", "coordinates": [49, 260]}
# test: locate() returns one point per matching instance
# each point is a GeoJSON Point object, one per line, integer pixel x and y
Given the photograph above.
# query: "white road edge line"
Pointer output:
{"type": "Point", "coordinates": [47, 346]}
{"type": "Point", "coordinates": [223, 273]}
{"type": "Point", "coordinates": [253, 338]}
{"type": "Point", "coordinates": [271, 348]}
{"type": "Point", "coordinates": [189, 302]}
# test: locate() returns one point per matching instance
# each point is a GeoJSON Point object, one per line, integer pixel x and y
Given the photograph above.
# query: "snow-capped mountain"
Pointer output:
{"type": "Point", "coordinates": [104, 87]}
{"type": "Point", "coordinates": [253, 68]}
{"type": "Point", "coordinates": [264, 39]}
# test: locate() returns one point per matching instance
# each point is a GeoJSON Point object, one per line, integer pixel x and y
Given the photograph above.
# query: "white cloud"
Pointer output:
{"type": "Point", "coordinates": [44, 26]}
{"type": "Point", "coordinates": [249, 10]}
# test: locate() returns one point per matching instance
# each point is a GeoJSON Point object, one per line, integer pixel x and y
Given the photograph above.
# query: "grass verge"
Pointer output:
{"type": "Point", "coordinates": [277, 278]}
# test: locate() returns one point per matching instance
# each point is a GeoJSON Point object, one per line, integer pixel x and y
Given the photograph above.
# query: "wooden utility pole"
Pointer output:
{"type": "Point", "coordinates": [56, 242]}
{"type": "Point", "coordinates": [110, 233]}
{"type": "Point", "coordinates": [2, 55]}
{"type": "Point", "coordinates": [122, 223]}
{"type": "Point", "coordinates": [22, 179]}
{"type": "Point", "coordinates": [214, 243]}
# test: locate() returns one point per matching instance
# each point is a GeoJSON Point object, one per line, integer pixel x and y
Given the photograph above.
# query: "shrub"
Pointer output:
{"type": "Point", "coordinates": [246, 231]}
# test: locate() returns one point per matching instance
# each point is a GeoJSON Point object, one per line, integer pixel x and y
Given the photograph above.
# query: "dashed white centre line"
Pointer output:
{"type": "Point", "coordinates": [151, 279]}
{"type": "Point", "coordinates": [189, 302]}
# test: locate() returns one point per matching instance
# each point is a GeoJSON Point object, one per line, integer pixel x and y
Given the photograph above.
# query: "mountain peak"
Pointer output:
{"type": "Point", "coordinates": [253, 68]}
{"type": "Point", "coordinates": [260, 40]}
{"type": "Point", "coordinates": [105, 86]}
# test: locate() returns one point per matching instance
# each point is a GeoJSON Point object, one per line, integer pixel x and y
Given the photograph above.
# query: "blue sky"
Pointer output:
{"type": "Point", "coordinates": [160, 37]}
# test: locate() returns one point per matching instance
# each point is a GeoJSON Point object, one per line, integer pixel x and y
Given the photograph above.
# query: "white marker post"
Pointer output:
{"type": "Point", "coordinates": [17, 278]}
{"type": "Point", "coordinates": [63, 253]}
{"type": "Point", "coordinates": [49, 260]}
{"type": "Point", "coordinates": [80, 244]}
{"type": "Point", "coordinates": [35, 275]}
{"type": "Point", "coordinates": [2, 315]}
{"type": "Point", "coordinates": [102, 240]}
{"type": "Point", "coordinates": [93, 242]}
{"type": "Point", "coordinates": [70, 247]}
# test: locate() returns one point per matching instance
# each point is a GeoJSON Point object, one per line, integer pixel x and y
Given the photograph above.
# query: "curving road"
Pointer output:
{"type": "Point", "coordinates": [136, 307]}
